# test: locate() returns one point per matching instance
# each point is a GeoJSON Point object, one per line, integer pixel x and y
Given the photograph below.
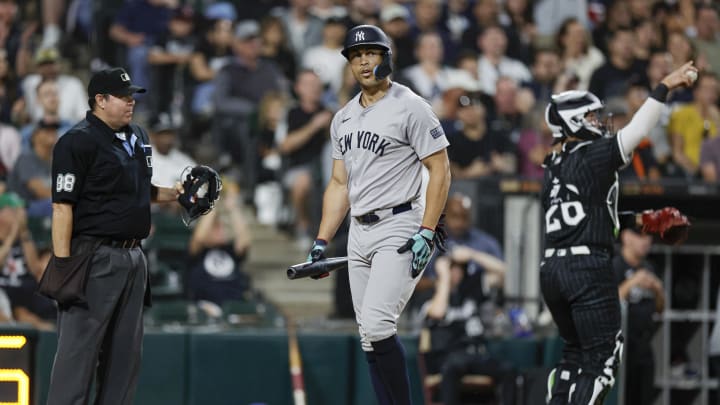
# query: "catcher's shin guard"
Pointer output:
{"type": "Point", "coordinates": [591, 390]}
{"type": "Point", "coordinates": [559, 383]}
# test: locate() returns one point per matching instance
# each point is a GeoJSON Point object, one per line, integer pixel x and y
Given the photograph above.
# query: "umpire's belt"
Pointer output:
{"type": "Point", "coordinates": [114, 243]}
{"type": "Point", "coordinates": [122, 244]}
{"type": "Point", "coordinates": [570, 251]}
{"type": "Point", "coordinates": [375, 216]}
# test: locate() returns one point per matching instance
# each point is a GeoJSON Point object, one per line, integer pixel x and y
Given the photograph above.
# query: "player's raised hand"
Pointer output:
{"type": "Point", "coordinates": [421, 247]}
{"type": "Point", "coordinates": [684, 76]}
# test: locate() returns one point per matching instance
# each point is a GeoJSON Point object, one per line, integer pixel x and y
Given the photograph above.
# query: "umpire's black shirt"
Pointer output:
{"type": "Point", "coordinates": [108, 188]}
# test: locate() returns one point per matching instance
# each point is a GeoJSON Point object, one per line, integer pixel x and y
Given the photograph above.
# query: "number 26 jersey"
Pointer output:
{"type": "Point", "coordinates": [580, 194]}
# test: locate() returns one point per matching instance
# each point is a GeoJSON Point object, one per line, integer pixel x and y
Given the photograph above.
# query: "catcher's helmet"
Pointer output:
{"type": "Point", "coordinates": [565, 115]}
{"type": "Point", "coordinates": [370, 35]}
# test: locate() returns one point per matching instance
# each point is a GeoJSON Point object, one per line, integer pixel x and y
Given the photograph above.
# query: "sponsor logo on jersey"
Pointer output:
{"type": "Point", "coordinates": [437, 132]}
{"type": "Point", "coordinates": [365, 140]}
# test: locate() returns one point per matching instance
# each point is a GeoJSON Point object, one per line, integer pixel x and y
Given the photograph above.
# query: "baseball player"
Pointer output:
{"type": "Point", "coordinates": [579, 196]}
{"type": "Point", "coordinates": [381, 140]}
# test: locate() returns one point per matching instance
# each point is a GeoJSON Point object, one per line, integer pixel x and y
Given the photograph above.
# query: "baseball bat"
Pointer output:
{"type": "Point", "coordinates": [295, 363]}
{"type": "Point", "coordinates": [310, 269]}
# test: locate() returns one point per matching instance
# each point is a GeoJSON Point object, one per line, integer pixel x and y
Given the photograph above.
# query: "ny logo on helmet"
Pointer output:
{"type": "Point", "coordinates": [359, 36]}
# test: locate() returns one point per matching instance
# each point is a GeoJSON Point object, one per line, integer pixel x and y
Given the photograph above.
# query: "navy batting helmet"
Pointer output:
{"type": "Point", "coordinates": [370, 35]}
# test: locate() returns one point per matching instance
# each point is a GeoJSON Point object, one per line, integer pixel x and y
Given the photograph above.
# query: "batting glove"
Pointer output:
{"type": "Point", "coordinates": [317, 252]}
{"type": "Point", "coordinates": [421, 246]}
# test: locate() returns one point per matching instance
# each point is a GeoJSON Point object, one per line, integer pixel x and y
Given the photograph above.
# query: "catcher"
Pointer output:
{"type": "Point", "coordinates": [579, 197]}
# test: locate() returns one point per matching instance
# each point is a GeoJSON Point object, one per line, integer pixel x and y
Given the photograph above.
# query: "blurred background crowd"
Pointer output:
{"type": "Point", "coordinates": [249, 87]}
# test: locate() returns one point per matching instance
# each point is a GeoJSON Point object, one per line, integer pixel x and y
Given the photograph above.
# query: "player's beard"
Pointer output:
{"type": "Point", "coordinates": [371, 83]}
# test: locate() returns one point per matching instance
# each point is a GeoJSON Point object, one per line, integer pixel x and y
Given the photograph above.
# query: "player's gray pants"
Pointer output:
{"type": "Point", "coordinates": [106, 338]}
{"type": "Point", "coordinates": [380, 280]}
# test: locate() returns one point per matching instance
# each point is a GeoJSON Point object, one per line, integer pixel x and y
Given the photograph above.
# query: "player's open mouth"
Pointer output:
{"type": "Point", "coordinates": [366, 73]}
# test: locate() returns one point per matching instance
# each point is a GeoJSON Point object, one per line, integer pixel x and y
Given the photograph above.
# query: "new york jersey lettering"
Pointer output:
{"type": "Point", "coordinates": [366, 140]}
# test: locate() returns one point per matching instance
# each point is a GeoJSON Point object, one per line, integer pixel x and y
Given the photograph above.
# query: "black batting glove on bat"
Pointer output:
{"type": "Point", "coordinates": [421, 247]}
{"type": "Point", "coordinates": [317, 252]}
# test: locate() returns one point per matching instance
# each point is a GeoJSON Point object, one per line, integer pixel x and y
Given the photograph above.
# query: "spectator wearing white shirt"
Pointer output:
{"type": "Point", "coordinates": [167, 160]}
{"type": "Point", "coordinates": [429, 76]}
{"type": "Point", "coordinates": [577, 54]}
{"type": "Point", "coordinates": [550, 14]}
{"type": "Point", "coordinates": [325, 59]}
{"type": "Point", "coordinates": [10, 147]}
{"type": "Point", "coordinates": [493, 63]}
{"type": "Point", "coordinates": [73, 103]}
{"type": "Point", "coordinates": [304, 29]}
{"type": "Point", "coordinates": [48, 97]}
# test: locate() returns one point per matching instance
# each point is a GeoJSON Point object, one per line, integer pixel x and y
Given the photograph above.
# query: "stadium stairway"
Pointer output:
{"type": "Point", "coordinates": [271, 253]}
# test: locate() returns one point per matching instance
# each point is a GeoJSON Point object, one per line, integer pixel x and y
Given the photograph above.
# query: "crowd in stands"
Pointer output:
{"type": "Point", "coordinates": [250, 87]}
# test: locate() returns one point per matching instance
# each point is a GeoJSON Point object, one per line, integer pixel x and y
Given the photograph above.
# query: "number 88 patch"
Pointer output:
{"type": "Point", "coordinates": [65, 182]}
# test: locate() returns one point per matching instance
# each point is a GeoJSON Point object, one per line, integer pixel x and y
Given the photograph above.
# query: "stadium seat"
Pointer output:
{"type": "Point", "coordinates": [479, 387]}
{"type": "Point", "coordinates": [173, 312]}
{"type": "Point", "coordinates": [40, 231]}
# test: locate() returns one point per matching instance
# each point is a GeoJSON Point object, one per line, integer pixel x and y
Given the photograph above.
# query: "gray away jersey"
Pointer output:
{"type": "Point", "coordinates": [382, 147]}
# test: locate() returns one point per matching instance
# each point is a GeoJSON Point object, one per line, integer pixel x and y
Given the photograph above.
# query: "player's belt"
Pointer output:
{"type": "Point", "coordinates": [375, 216]}
{"type": "Point", "coordinates": [570, 251]}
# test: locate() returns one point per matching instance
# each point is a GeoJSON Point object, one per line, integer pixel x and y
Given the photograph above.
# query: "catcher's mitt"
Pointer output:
{"type": "Point", "coordinates": [669, 223]}
{"type": "Point", "coordinates": [201, 187]}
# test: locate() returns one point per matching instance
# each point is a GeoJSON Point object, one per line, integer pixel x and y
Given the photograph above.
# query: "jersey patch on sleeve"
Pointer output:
{"type": "Point", "coordinates": [65, 182]}
{"type": "Point", "coordinates": [437, 132]}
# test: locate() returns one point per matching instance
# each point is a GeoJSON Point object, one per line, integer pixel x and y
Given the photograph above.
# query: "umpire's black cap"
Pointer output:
{"type": "Point", "coordinates": [113, 81]}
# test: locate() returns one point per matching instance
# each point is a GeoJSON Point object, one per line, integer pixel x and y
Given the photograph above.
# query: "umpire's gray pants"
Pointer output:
{"type": "Point", "coordinates": [106, 337]}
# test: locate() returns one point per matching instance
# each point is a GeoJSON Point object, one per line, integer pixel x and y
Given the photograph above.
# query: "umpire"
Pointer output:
{"type": "Point", "coordinates": [101, 203]}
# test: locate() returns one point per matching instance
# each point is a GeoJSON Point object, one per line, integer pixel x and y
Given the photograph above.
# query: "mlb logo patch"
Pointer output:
{"type": "Point", "coordinates": [437, 132]}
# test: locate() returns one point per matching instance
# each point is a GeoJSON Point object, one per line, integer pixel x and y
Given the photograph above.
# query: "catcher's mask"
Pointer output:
{"type": "Point", "coordinates": [195, 202]}
{"type": "Point", "coordinates": [568, 112]}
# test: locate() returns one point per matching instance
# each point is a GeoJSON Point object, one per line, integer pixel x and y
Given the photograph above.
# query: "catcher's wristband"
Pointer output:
{"type": "Point", "coordinates": [660, 93]}
{"type": "Point", "coordinates": [628, 220]}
